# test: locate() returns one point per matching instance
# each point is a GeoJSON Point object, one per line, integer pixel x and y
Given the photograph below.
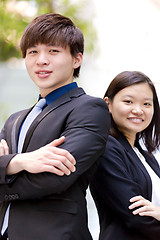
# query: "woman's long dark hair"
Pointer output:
{"type": "Point", "coordinates": [150, 135]}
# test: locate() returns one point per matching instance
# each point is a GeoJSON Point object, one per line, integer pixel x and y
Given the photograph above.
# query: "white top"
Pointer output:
{"type": "Point", "coordinates": [154, 178]}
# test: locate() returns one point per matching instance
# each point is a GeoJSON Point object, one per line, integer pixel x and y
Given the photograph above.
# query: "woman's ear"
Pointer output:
{"type": "Point", "coordinates": [106, 99]}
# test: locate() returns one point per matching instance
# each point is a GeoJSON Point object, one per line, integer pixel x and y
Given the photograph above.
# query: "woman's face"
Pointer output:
{"type": "Point", "coordinates": [132, 109]}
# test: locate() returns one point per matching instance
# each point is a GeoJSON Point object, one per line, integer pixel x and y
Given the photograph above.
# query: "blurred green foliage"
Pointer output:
{"type": "Point", "coordinates": [13, 21]}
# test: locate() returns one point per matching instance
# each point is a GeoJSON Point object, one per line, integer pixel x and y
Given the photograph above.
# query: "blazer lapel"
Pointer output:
{"type": "Point", "coordinates": [132, 155]}
{"type": "Point", "coordinates": [150, 159]}
{"type": "Point", "coordinates": [67, 97]}
{"type": "Point", "coordinates": [14, 131]}
{"type": "Point", "coordinates": [135, 159]}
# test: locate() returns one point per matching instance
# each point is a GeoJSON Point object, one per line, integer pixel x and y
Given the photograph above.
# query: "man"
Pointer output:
{"type": "Point", "coordinates": [43, 187]}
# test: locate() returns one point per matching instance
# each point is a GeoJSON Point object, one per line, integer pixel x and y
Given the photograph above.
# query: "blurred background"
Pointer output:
{"type": "Point", "coordinates": [119, 35]}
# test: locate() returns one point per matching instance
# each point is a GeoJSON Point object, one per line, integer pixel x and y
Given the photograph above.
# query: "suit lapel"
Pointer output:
{"type": "Point", "coordinates": [134, 158]}
{"type": "Point", "coordinates": [136, 162]}
{"type": "Point", "coordinates": [152, 162]}
{"type": "Point", "coordinates": [67, 97]}
{"type": "Point", "coordinates": [132, 155]}
{"type": "Point", "coordinates": [14, 130]}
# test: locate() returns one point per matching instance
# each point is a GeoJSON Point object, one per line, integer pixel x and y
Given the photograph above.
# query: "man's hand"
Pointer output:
{"type": "Point", "coordinates": [49, 158]}
{"type": "Point", "coordinates": [4, 149]}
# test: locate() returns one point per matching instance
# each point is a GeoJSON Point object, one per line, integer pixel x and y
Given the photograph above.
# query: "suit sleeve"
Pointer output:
{"type": "Point", "coordinates": [86, 132]}
{"type": "Point", "coordinates": [115, 185]}
{"type": "Point", "coordinates": [4, 160]}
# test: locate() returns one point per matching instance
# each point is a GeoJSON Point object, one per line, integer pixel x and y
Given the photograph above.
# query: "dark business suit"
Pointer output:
{"type": "Point", "coordinates": [45, 206]}
{"type": "Point", "coordinates": [120, 176]}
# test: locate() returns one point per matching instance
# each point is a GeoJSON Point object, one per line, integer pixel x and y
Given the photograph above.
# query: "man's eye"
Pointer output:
{"type": "Point", "coordinates": [32, 52]}
{"type": "Point", "coordinates": [53, 50]}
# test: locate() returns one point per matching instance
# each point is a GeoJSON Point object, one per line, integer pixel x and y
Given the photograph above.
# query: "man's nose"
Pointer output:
{"type": "Point", "coordinates": [42, 59]}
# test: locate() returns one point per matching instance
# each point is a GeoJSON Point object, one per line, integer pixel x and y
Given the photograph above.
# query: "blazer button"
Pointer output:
{"type": "Point", "coordinates": [6, 197]}
{"type": "Point", "coordinates": [16, 196]}
{"type": "Point", "coordinates": [10, 196]}
{"type": "Point", "coordinates": [13, 196]}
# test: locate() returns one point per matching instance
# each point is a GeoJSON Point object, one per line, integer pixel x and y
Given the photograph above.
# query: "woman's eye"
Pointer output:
{"type": "Point", "coordinates": [147, 104]}
{"type": "Point", "coordinates": [128, 101]}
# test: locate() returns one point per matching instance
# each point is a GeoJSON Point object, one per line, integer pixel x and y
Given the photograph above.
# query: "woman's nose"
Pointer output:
{"type": "Point", "coordinates": [137, 110]}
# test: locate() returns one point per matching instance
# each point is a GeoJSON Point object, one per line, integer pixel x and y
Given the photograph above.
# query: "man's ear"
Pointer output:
{"type": "Point", "coordinates": [78, 60]}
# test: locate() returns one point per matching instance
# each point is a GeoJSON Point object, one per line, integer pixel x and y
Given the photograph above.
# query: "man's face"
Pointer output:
{"type": "Point", "coordinates": [51, 67]}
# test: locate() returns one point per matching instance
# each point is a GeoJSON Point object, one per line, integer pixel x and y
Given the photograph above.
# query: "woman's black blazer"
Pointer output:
{"type": "Point", "coordinates": [120, 176]}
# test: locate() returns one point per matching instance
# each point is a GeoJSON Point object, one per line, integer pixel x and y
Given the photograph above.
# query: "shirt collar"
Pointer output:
{"type": "Point", "coordinates": [59, 92]}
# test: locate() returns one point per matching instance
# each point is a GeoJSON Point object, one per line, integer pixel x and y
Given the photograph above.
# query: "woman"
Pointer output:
{"type": "Point", "coordinates": [126, 187]}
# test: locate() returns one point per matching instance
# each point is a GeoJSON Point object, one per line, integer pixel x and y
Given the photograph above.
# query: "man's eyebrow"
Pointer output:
{"type": "Point", "coordinates": [33, 46]}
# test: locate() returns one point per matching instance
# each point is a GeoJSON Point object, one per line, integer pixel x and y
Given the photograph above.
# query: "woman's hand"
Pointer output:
{"type": "Point", "coordinates": [145, 207]}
